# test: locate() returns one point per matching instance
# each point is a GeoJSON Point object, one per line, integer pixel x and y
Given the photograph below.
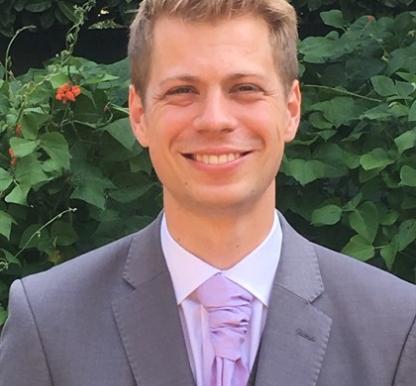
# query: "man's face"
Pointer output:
{"type": "Point", "coordinates": [216, 115]}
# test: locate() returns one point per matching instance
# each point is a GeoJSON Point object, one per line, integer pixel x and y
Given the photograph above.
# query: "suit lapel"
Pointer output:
{"type": "Point", "coordinates": [296, 332]}
{"type": "Point", "coordinates": [147, 316]}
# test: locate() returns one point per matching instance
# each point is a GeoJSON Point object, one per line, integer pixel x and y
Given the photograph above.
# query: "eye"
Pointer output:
{"type": "Point", "coordinates": [181, 90]}
{"type": "Point", "coordinates": [246, 87]}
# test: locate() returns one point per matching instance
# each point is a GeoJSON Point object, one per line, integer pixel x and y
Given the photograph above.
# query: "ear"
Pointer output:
{"type": "Point", "coordinates": [294, 100]}
{"type": "Point", "coordinates": [136, 117]}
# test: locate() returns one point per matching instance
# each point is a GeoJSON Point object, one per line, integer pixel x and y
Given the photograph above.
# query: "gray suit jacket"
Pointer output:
{"type": "Point", "coordinates": [109, 318]}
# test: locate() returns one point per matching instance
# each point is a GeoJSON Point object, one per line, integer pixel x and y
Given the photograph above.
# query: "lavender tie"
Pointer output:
{"type": "Point", "coordinates": [229, 310]}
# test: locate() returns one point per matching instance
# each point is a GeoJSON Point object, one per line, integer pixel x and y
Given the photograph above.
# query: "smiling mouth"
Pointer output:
{"type": "Point", "coordinates": [216, 159]}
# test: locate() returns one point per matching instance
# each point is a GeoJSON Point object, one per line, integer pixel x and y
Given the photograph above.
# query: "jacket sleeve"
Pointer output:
{"type": "Point", "coordinates": [406, 368]}
{"type": "Point", "coordinates": [22, 356]}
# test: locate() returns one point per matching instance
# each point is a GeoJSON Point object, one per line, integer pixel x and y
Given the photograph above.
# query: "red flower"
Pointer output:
{"type": "Point", "coordinates": [67, 93]}
{"type": "Point", "coordinates": [13, 158]}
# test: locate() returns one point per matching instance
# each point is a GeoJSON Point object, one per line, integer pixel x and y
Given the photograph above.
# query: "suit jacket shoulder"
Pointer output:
{"type": "Point", "coordinates": [93, 321]}
{"type": "Point", "coordinates": [360, 319]}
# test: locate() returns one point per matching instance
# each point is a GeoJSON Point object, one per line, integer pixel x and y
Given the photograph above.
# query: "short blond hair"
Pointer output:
{"type": "Point", "coordinates": [279, 15]}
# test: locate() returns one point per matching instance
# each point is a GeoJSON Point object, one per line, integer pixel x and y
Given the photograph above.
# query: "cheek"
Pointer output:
{"type": "Point", "coordinates": [264, 127]}
{"type": "Point", "coordinates": [172, 124]}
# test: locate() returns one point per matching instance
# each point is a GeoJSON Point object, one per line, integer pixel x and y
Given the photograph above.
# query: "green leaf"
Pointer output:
{"type": "Point", "coordinates": [380, 112]}
{"type": "Point", "coordinates": [67, 11]}
{"type": "Point", "coordinates": [6, 222]}
{"type": "Point", "coordinates": [23, 147]}
{"type": "Point", "coordinates": [354, 202]}
{"type": "Point", "coordinates": [389, 218]}
{"type": "Point", "coordinates": [5, 179]}
{"type": "Point", "coordinates": [406, 234]}
{"type": "Point", "coordinates": [56, 146]}
{"type": "Point", "coordinates": [389, 253]}
{"type": "Point", "coordinates": [29, 171]}
{"type": "Point", "coordinates": [37, 6]}
{"type": "Point", "coordinates": [333, 18]}
{"type": "Point", "coordinates": [121, 131]}
{"type": "Point", "coordinates": [47, 19]}
{"type": "Point", "coordinates": [359, 248]}
{"type": "Point", "coordinates": [40, 239]}
{"type": "Point", "coordinates": [11, 259]}
{"type": "Point", "coordinates": [403, 58]}
{"type": "Point", "coordinates": [62, 233]}
{"type": "Point", "coordinates": [32, 120]}
{"type": "Point", "coordinates": [339, 110]}
{"type": "Point", "coordinates": [58, 79]}
{"type": "Point", "coordinates": [412, 113]}
{"type": "Point", "coordinates": [91, 185]}
{"type": "Point", "coordinates": [304, 171]}
{"type": "Point", "coordinates": [141, 163]}
{"type": "Point", "coordinates": [375, 159]}
{"type": "Point", "coordinates": [318, 49]}
{"type": "Point", "coordinates": [317, 120]}
{"type": "Point", "coordinates": [404, 89]}
{"type": "Point", "coordinates": [18, 195]}
{"type": "Point", "coordinates": [3, 315]}
{"type": "Point", "coordinates": [383, 85]}
{"type": "Point", "coordinates": [405, 141]}
{"type": "Point", "coordinates": [364, 220]}
{"type": "Point", "coordinates": [130, 193]}
{"type": "Point", "coordinates": [327, 215]}
{"type": "Point", "coordinates": [408, 176]}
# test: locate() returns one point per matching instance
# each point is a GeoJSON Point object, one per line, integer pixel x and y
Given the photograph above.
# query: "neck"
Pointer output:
{"type": "Point", "coordinates": [223, 237]}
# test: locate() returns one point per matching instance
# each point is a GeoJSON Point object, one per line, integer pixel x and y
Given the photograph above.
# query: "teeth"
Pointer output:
{"type": "Point", "coordinates": [211, 159]}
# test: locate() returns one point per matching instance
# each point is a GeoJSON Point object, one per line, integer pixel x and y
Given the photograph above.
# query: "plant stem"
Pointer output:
{"type": "Point", "coordinates": [59, 215]}
{"type": "Point", "coordinates": [340, 91]}
{"type": "Point", "coordinates": [7, 60]}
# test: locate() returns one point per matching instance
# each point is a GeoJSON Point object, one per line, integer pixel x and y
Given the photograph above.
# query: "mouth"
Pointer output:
{"type": "Point", "coordinates": [215, 159]}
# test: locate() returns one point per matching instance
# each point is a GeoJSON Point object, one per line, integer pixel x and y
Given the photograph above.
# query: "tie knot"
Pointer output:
{"type": "Point", "coordinates": [229, 311]}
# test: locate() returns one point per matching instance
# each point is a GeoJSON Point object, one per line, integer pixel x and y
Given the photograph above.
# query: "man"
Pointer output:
{"type": "Point", "coordinates": [214, 97]}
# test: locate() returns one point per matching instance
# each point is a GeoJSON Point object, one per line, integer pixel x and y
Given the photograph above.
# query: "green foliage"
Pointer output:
{"type": "Point", "coordinates": [46, 14]}
{"type": "Point", "coordinates": [349, 9]}
{"type": "Point", "coordinates": [72, 175]}
{"type": "Point", "coordinates": [351, 172]}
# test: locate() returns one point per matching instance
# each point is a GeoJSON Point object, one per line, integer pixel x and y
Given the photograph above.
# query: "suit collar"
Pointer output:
{"type": "Point", "coordinates": [298, 271]}
{"type": "Point", "coordinates": [147, 316]}
{"type": "Point", "coordinates": [296, 333]}
{"type": "Point", "coordinates": [145, 259]}
{"type": "Point", "coordinates": [294, 339]}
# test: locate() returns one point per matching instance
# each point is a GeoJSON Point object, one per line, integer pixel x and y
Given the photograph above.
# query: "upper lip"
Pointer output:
{"type": "Point", "coordinates": [218, 151]}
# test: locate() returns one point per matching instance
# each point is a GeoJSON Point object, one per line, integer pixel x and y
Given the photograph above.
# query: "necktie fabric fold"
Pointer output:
{"type": "Point", "coordinates": [229, 308]}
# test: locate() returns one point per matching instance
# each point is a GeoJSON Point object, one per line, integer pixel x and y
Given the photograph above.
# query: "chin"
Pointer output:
{"type": "Point", "coordinates": [222, 202]}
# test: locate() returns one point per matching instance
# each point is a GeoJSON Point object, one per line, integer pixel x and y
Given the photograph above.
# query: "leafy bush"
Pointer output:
{"type": "Point", "coordinates": [72, 176]}
{"type": "Point", "coordinates": [351, 173]}
{"type": "Point", "coordinates": [46, 14]}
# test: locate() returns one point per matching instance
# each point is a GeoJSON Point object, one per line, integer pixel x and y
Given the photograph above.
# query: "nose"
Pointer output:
{"type": "Point", "coordinates": [215, 113]}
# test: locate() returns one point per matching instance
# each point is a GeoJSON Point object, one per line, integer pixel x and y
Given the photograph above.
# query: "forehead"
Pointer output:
{"type": "Point", "coordinates": [238, 41]}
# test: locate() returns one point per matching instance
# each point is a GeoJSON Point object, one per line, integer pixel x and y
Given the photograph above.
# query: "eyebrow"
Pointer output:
{"type": "Point", "coordinates": [194, 79]}
{"type": "Point", "coordinates": [183, 78]}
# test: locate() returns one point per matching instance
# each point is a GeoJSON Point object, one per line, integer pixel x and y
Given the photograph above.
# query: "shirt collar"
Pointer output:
{"type": "Point", "coordinates": [255, 272]}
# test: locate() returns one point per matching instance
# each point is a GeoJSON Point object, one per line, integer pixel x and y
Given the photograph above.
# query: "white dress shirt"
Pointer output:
{"type": "Point", "coordinates": [255, 273]}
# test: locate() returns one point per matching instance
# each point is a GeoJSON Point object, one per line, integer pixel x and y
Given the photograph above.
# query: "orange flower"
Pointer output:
{"type": "Point", "coordinates": [76, 90]}
{"type": "Point", "coordinates": [13, 158]}
{"type": "Point", "coordinates": [370, 18]}
{"type": "Point", "coordinates": [67, 93]}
